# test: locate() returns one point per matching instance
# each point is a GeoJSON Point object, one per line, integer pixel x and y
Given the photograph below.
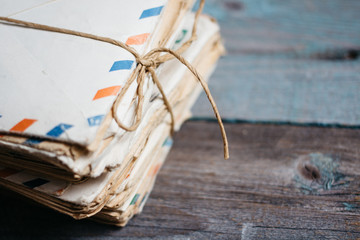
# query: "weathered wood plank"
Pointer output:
{"type": "Point", "coordinates": [262, 192]}
{"type": "Point", "coordinates": [292, 61]}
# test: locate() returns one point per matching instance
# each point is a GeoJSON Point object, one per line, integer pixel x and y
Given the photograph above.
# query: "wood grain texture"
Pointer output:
{"type": "Point", "coordinates": [259, 193]}
{"type": "Point", "coordinates": [287, 61]}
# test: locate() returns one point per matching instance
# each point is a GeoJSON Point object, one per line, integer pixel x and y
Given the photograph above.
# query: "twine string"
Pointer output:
{"type": "Point", "coordinates": [145, 65]}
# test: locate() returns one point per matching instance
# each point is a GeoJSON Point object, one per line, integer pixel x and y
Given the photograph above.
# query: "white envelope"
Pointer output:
{"type": "Point", "coordinates": [59, 86]}
{"type": "Point", "coordinates": [87, 192]}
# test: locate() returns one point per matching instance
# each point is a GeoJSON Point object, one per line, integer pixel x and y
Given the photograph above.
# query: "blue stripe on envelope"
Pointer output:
{"type": "Point", "coordinates": [134, 200]}
{"type": "Point", "coordinates": [58, 130]}
{"type": "Point", "coordinates": [96, 120]}
{"type": "Point", "coordinates": [151, 12]}
{"type": "Point", "coordinates": [33, 141]}
{"type": "Point", "coordinates": [55, 132]}
{"type": "Point", "coordinates": [168, 142]}
{"type": "Point", "coordinates": [121, 65]}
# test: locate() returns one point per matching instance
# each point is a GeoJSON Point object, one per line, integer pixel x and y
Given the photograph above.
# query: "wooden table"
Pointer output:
{"type": "Point", "coordinates": [293, 65]}
{"type": "Point", "coordinates": [281, 182]}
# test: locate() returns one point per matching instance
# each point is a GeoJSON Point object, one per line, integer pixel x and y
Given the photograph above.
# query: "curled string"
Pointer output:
{"type": "Point", "coordinates": [145, 65]}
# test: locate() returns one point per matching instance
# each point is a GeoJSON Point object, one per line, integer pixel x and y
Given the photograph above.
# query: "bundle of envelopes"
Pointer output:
{"type": "Point", "coordinates": [60, 145]}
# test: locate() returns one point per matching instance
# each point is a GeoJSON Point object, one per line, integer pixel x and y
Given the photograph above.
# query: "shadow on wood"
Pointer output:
{"type": "Point", "coordinates": [259, 193]}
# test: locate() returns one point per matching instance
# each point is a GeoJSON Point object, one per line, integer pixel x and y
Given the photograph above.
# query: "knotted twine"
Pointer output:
{"type": "Point", "coordinates": [146, 64]}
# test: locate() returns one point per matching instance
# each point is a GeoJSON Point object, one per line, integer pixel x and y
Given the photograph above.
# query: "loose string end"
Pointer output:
{"type": "Point", "coordinates": [222, 130]}
{"type": "Point", "coordinates": [226, 149]}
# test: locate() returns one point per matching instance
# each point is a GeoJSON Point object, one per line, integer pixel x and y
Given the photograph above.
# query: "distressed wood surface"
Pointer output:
{"type": "Point", "coordinates": [281, 182]}
{"type": "Point", "coordinates": [287, 61]}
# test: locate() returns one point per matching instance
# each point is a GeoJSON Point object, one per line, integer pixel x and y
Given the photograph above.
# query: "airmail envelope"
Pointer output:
{"type": "Point", "coordinates": [61, 87]}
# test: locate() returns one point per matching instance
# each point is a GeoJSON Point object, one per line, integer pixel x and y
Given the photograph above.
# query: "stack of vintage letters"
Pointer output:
{"type": "Point", "coordinates": [85, 122]}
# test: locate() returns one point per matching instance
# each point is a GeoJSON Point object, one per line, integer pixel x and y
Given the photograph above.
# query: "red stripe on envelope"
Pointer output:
{"type": "Point", "coordinates": [105, 92]}
{"type": "Point", "coordinates": [23, 125]}
{"type": "Point", "coordinates": [154, 170]}
{"type": "Point", "coordinates": [138, 39]}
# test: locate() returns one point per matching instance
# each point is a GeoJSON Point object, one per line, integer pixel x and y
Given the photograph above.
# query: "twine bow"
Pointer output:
{"type": "Point", "coordinates": [145, 65]}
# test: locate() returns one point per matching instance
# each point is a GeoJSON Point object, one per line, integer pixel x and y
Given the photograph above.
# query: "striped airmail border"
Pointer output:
{"type": "Point", "coordinates": [141, 38]}
{"type": "Point", "coordinates": [54, 133]}
{"type": "Point", "coordinates": [96, 120]}
{"type": "Point", "coordinates": [101, 93]}
{"type": "Point", "coordinates": [182, 36]}
{"type": "Point", "coordinates": [26, 123]}
{"type": "Point", "coordinates": [23, 125]}
{"type": "Point", "coordinates": [152, 172]}
{"type": "Point", "coordinates": [151, 12]}
{"type": "Point", "coordinates": [105, 92]}
{"type": "Point", "coordinates": [137, 39]}
{"type": "Point", "coordinates": [168, 142]}
{"type": "Point", "coordinates": [135, 198]}
{"type": "Point", "coordinates": [144, 198]}
{"type": "Point", "coordinates": [21, 177]}
{"type": "Point", "coordinates": [123, 64]}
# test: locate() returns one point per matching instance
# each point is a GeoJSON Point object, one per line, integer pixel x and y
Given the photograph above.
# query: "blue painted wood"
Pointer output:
{"type": "Point", "coordinates": [281, 63]}
{"type": "Point", "coordinates": [292, 61]}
